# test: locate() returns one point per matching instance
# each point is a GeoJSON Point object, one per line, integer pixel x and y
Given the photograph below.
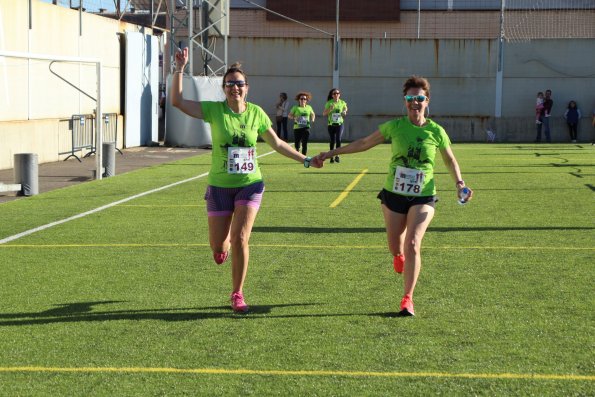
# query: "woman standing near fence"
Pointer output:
{"type": "Point", "coordinates": [281, 109]}
{"type": "Point", "coordinates": [572, 116]}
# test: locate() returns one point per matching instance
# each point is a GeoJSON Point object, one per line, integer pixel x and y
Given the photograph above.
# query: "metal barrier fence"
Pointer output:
{"type": "Point", "coordinates": [110, 130]}
{"type": "Point", "coordinates": [82, 127]}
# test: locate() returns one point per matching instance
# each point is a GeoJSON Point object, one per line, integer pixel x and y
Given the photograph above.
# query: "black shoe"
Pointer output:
{"type": "Point", "coordinates": [337, 159]}
{"type": "Point", "coordinates": [332, 160]}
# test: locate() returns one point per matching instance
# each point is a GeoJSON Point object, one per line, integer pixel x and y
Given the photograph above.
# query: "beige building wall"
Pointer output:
{"type": "Point", "coordinates": [34, 103]}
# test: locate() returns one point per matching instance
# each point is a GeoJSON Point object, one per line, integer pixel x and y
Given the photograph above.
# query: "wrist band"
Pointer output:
{"type": "Point", "coordinates": [460, 183]}
{"type": "Point", "coordinates": [307, 162]}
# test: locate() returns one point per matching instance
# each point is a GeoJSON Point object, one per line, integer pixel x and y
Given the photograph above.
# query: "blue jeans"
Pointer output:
{"type": "Point", "coordinates": [545, 122]}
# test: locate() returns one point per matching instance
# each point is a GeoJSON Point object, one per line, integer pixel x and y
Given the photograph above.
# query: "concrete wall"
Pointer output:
{"type": "Point", "coordinates": [462, 73]}
{"type": "Point", "coordinates": [34, 103]}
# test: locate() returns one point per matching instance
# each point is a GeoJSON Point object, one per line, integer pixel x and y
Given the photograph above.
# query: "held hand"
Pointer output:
{"type": "Point", "coordinates": [181, 59]}
{"type": "Point", "coordinates": [323, 156]}
{"type": "Point", "coordinates": [316, 162]}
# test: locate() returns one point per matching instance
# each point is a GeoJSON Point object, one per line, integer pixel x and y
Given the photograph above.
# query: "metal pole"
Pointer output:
{"type": "Point", "coordinates": [205, 35]}
{"type": "Point", "coordinates": [81, 18]}
{"type": "Point", "coordinates": [190, 9]}
{"type": "Point", "coordinates": [498, 110]}
{"type": "Point", "coordinates": [98, 128]}
{"type": "Point", "coordinates": [418, 17]}
{"type": "Point", "coordinates": [152, 5]}
{"type": "Point", "coordinates": [336, 45]}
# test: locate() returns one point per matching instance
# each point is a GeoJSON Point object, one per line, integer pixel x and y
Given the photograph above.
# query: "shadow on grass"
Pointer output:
{"type": "Point", "coordinates": [83, 312]}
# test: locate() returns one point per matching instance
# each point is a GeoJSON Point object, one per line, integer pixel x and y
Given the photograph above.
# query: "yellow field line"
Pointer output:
{"type": "Point", "coordinates": [285, 246]}
{"type": "Point", "coordinates": [348, 189]}
{"type": "Point", "coordinates": [217, 371]}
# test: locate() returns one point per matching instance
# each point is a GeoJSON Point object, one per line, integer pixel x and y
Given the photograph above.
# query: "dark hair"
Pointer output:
{"type": "Point", "coordinates": [303, 93]}
{"type": "Point", "coordinates": [417, 82]}
{"type": "Point", "coordinates": [284, 96]}
{"type": "Point", "coordinates": [330, 93]}
{"type": "Point", "coordinates": [235, 68]}
{"type": "Point", "coordinates": [571, 102]}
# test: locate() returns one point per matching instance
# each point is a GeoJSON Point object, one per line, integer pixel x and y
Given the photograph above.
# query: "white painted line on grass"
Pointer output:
{"type": "Point", "coordinates": [93, 211]}
{"type": "Point", "coordinates": [104, 207]}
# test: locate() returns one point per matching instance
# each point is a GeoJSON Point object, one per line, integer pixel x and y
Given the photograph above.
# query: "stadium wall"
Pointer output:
{"type": "Point", "coordinates": [35, 105]}
{"type": "Point", "coordinates": [462, 73]}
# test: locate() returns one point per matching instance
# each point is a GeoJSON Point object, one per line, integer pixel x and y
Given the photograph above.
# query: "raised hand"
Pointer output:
{"type": "Point", "coordinates": [181, 58]}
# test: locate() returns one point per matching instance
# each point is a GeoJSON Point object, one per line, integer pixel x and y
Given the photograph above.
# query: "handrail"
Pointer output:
{"type": "Point", "coordinates": [98, 110]}
{"type": "Point", "coordinates": [68, 82]}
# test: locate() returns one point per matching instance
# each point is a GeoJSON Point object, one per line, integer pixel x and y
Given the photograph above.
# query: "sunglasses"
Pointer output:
{"type": "Point", "coordinates": [303, 98]}
{"type": "Point", "coordinates": [336, 93]}
{"type": "Point", "coordinates": [418, 98]}
{"type": "Point", "coordinates": [239, 83]}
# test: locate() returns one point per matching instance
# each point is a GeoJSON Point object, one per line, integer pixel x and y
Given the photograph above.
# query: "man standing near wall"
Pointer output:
{"type": "Point", "coordinates": [547, 109]}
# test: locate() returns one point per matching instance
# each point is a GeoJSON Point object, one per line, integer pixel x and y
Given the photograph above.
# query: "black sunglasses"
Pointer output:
{"type": "Point", "coordinates": [239, 83]}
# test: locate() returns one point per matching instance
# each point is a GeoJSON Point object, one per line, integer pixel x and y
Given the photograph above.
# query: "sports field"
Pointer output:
{"type": "Point", "coordinates": [109, 288]}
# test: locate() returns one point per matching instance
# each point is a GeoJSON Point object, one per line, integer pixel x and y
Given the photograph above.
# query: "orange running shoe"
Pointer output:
{"type": "Point", "coordinates": [406, 307]}
{"type": "Point", "coordinates": [398, 263]}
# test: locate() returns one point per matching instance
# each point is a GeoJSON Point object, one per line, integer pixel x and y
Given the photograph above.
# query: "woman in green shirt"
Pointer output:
{"type": "Point", "coordinates": [302, 115]}
{"type": "Point", "coordinates": [409, 194]}
{"type": "Point", "coordinates": [235, 184]}
{"type": "Point", "coordinates": [335, 109]}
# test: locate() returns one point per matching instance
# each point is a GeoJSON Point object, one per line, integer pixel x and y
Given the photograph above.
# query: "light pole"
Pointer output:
{"type": "Point", "coordinates": [336, 49]}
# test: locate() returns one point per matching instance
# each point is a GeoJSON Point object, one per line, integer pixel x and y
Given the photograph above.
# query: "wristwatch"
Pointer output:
{"type": "Point", "coordinates": [307, 161]}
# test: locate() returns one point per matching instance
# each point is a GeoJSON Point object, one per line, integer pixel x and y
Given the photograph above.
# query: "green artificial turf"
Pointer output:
{"type": "Point", "coordinates": [128, 301]}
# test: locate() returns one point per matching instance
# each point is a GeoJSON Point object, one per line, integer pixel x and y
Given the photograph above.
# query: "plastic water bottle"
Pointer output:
{"type": "Point", "coordinates": [464, 194]}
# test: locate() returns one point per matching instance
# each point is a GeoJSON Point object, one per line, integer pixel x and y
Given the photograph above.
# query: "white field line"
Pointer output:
{"type": "Point", "coordinates": [104, 207]}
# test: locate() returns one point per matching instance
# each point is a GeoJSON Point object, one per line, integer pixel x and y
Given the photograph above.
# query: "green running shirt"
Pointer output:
{"type": "Point", "coordinates": [414, 147]}
{"type": "Point", "coordinates": [229, 129]}
{"type": "Point", "coordinates": [340, 107]}
{"type": "Point", "coordinates": [301, 113]}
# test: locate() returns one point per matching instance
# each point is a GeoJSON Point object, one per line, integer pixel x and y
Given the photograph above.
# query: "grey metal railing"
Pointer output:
{"type": "Point", "coordinates": [82, 127]}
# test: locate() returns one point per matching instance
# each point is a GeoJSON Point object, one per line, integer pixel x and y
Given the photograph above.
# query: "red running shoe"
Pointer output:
{"type": "Point", "coordinates": [237, 303]}
{"type": "Point", "coordinates": [406, 307]}
{"type": "Point", "coordinates": [220, 257]}
{"type": "Point", "coordinates": [398, 263]}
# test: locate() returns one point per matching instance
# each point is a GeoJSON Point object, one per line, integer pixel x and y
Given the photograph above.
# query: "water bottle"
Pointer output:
{"type": "Point", "coordinates": [464, 195]}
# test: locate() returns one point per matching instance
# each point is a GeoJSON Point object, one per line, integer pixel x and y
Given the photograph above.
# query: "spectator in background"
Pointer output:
{"type": "Point", "coordinates": [548, 103]}
{"type": "Point", "coordinates": [572, 116]}
{"type": "Point", "coordinates": [281, 115]}
{"type": "Point", "coordinates": [539, 108]}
